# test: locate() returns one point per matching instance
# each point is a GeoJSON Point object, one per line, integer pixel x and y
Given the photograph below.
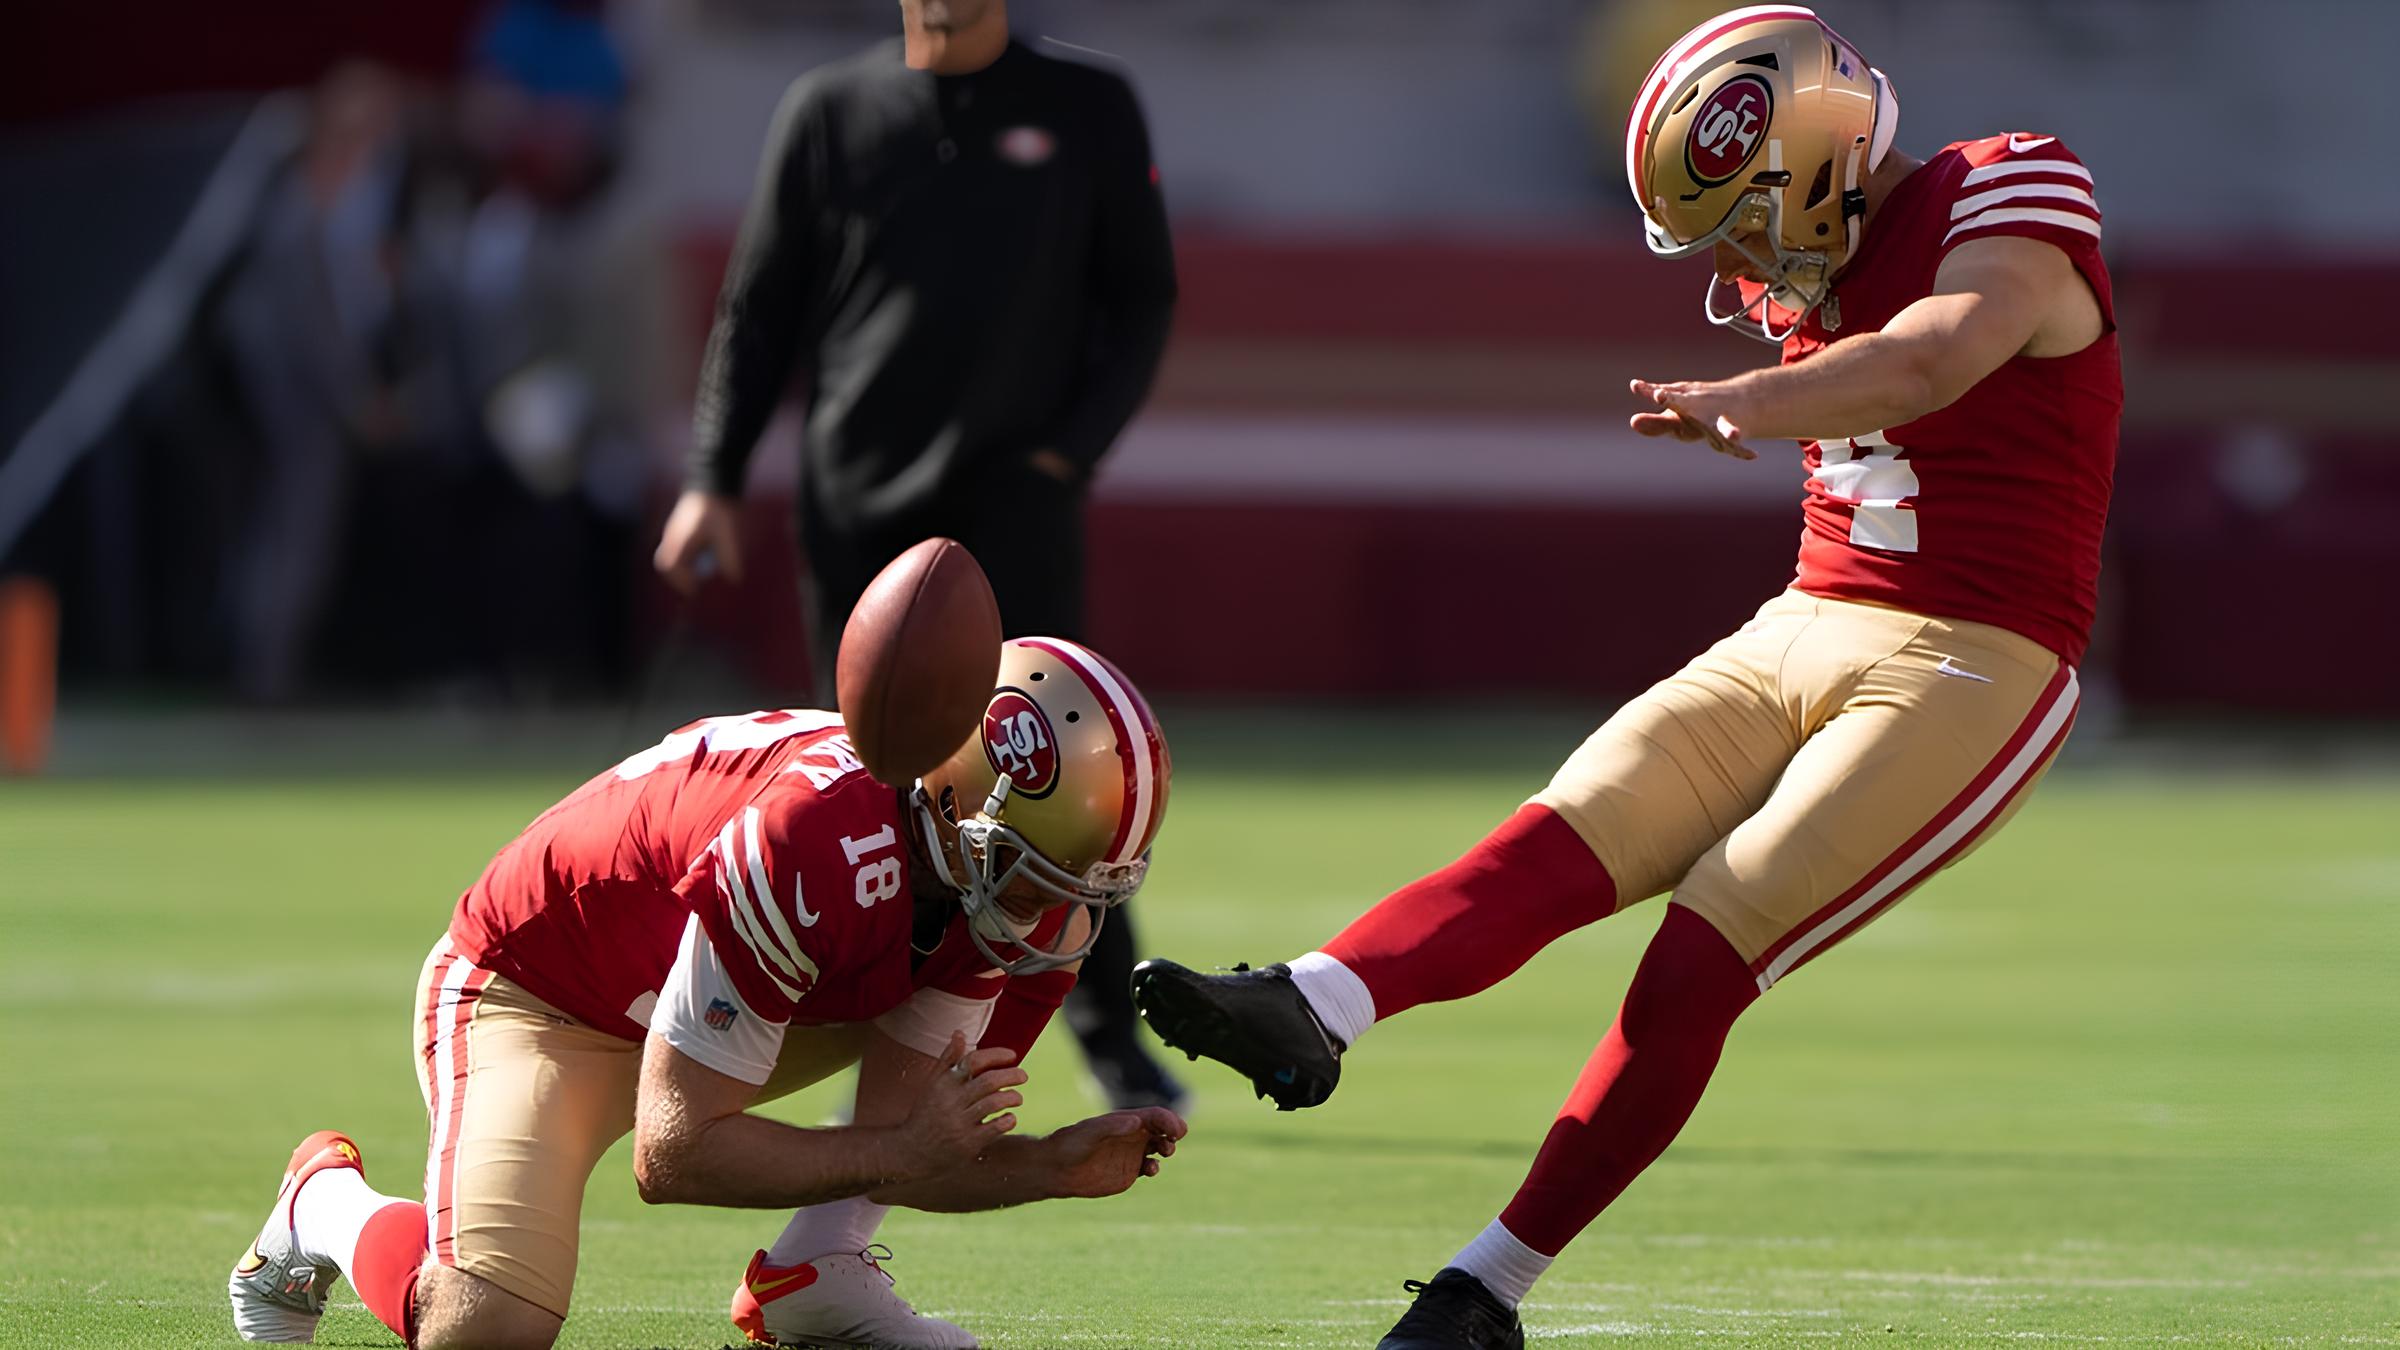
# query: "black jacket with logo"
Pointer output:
{"type": "Point", "coordinates": [968, 269]}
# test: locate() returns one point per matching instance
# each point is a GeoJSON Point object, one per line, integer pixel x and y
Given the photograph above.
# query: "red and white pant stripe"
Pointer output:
{"type": "Point", "coordinates": [1953, 830]}
{"type": "Point", "coordinates": [452, 993]}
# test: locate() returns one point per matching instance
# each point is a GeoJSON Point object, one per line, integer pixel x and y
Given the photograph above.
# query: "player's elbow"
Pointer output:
{"type": "Point", "coordinates": [656, 1184]}
{"type": "Point", "coordinates": [660, 1170]}
{"type": "Point", "coordinates": [653, 1180]}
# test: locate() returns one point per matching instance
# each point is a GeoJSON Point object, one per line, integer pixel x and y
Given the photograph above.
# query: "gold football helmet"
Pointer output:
{"type": "Point", "coordinates": [1756, 128]}
{"type": "Point", "coordinates": [1063, 787]}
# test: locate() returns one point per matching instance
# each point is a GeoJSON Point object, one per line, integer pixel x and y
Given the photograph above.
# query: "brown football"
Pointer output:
{"type": "Point", "coordinates": [919, 655]}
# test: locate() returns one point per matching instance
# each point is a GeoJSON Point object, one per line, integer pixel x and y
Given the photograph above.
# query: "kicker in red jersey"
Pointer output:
{"type": "Point", "coordinates": [1990, 509]}
{"type": "Point", "coordinates": [766, 826]}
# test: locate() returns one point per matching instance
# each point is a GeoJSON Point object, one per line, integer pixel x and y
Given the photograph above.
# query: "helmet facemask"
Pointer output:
{"type": "Point", "coordinates": [1799, 280]}
{"type": "Point", "coordinates": [981, 856]}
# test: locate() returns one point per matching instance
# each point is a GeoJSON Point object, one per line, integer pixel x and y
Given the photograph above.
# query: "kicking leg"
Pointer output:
{"type": "Point", "coordinates": [1626, 815]}
{"type": "Point", "coordinates": [1911, 769]}
{"type": "Point", "coordinates": [1449, 935]}
{"type": "Point", "coordinates": [1464, 928]}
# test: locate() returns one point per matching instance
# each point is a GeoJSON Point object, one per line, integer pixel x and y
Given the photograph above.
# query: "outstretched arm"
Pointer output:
{"type": "Point", "coordinates": [1097, 1157]}
{"type": "Point", "coordinates": [1089, 1160]}
{"type": "Point", "coordinates": [694, 1142]}
{"type": "Point", "coordinates": [1101, 1156]}
{"type": "Point", "coordinates": [1991, 299]}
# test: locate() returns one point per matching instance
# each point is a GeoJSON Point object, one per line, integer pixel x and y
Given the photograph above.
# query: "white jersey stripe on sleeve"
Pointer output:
{"type": "Point", "coordinates": [737, 901]}
{"type": "Point", "coordinates": [768, 959]}
{"type": "Point", "coordinates": [2009, 168]}
{"type": "Point", "coordinates": [2063, 192]}
{"type": "Point", "coordinates": [2030, 215]}
{"type": "Point", "coordinates": [729, 872]}
{"type": "Point", "coordinates": [762, 886]}
{"type": "Point", "coordinates": [745, 922]}
{"type": "Point", "coordinates": [763, 892]}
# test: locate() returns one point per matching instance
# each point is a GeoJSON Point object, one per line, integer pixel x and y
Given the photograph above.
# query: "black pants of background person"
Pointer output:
{"type": "Point", "coordinates": [1028, 534]}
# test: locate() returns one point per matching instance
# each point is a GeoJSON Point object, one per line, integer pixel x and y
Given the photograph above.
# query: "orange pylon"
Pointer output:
{"type": "Point", "coordinates": [28, 672]}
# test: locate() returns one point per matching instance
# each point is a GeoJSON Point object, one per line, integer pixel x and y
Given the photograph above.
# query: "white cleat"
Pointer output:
{"type": "Point", "coordinates": [278, 1292]}
{"type": "Point", "coordinates": [842, 1302]}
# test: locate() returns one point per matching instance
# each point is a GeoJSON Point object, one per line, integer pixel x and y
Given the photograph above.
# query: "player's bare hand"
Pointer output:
{"type": "Point", "coordinates": [1106, 1154]}
{"type": "Point", "coordinates": [703, 530]}
{"type": "Point", "coordinates": [1694, 411]}
{"type": "Point", "coordinates": [965, 1106]}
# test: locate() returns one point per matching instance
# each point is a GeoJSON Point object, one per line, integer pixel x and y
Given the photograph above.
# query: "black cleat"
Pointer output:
{"type": "Point", "coordinates": [1255, 1022]}
{"type": "Point", "coordinates": [1454, 1311]}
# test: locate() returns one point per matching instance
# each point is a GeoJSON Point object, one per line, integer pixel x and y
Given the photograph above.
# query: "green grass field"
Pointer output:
{"type": "Point", "coordinates": [2130, 1075]}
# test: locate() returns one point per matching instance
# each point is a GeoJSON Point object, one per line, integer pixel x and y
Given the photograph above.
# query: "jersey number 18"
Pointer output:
{"type": "Point", "coordinates": [879, 880]}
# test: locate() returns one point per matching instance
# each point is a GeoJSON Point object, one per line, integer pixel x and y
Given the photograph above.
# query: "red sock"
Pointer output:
{"type": "Point", "coordinates": [1641, 1083]}
{"type": "Point", "coordinates": [1024, 1007]}
{"type": "Point", "coordinates": [391, 1249]}
{"type": "Point", "coordinates": [1467, 927]}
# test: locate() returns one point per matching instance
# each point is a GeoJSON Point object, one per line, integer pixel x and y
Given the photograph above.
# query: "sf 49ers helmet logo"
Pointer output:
{"type": "Point", "coordinates": [1018, 741]}
{"type": "Point", "coordinates": [1728, 128]}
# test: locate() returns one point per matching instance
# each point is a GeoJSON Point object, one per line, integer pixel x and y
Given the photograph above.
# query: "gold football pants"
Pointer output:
{"type": "Point", "coordinates": [1805, 773]}
{"type": "Point", "coordinates": [521, 1101]}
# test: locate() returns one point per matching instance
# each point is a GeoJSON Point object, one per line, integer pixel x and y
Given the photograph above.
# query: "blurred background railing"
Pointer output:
{"type": "Point", "coordinates": [348, 349]}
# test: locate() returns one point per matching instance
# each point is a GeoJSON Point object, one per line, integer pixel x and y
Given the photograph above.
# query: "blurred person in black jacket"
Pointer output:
{"type": "Point", "coordinates": [962, 245]}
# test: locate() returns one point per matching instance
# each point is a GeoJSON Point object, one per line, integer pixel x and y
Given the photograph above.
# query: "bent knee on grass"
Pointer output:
{"type": "Point", "coordinates": [458, 1311]}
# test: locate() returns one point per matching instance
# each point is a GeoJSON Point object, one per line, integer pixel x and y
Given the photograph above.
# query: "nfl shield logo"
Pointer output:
{"type": "Point", "coordinates": [720, 1014]}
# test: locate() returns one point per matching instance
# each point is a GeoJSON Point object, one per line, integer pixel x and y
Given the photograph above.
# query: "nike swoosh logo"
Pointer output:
{"type": "Point", "coordinates": [1947, 667]}
{"type": "Point", "coordinates": [803, 1277]}
{"type": "Point", "coordinates": [2018, 144]}
{"type": "Point", "coordinates": [800, 903]}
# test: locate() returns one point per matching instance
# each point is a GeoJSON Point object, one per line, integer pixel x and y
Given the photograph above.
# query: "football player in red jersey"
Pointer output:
{"type": "Point", "coordinates": [1950, 366]}
{"type": "Point", "coordinates": [730, 915]}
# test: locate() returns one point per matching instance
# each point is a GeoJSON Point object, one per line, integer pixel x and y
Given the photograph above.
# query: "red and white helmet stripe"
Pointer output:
{"type": "Point", "coordinates": [1673, 66]}
{"type": "Point", "coordinates": [1136, 731]}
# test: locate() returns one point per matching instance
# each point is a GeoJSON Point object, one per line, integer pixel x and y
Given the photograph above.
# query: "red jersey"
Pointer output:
{"type": "Point", "coordinates": [1991, 509]}
{"type": "Point", "coordinates": [766, 826]}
